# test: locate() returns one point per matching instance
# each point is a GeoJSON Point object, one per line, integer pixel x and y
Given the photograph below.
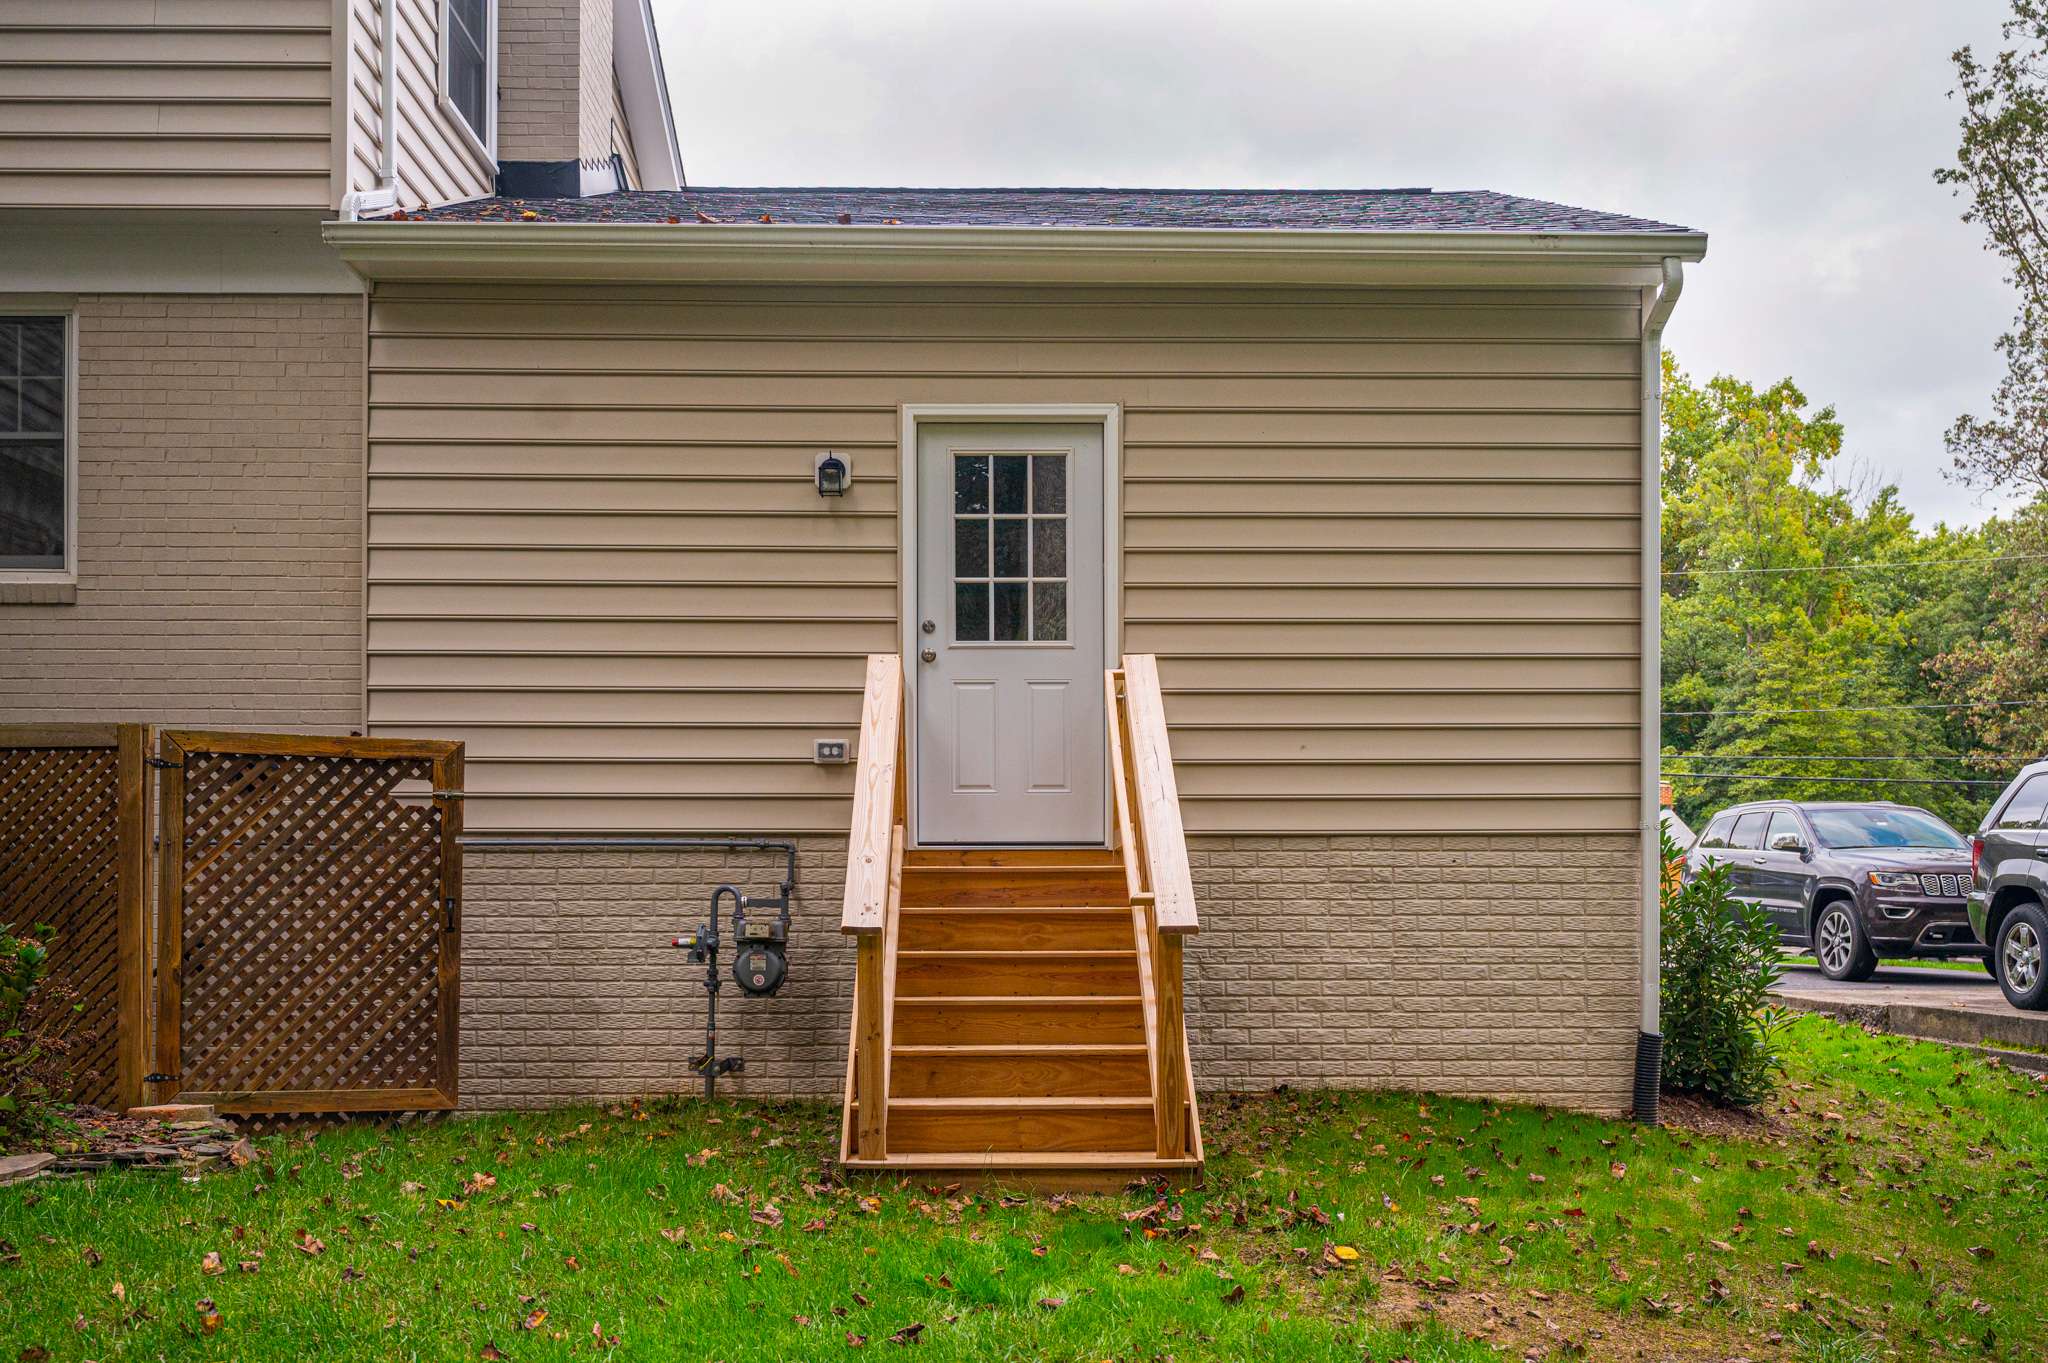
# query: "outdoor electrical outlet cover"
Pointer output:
{"type": "Point", "coordinates": [826, 751]}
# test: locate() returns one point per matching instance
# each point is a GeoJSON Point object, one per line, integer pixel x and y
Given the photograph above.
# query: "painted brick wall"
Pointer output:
{"type": "Point", "coordinates": [1479, 965]}
{"type": "Point", "coordinates": [539, 65]}
{"type": "Point", "coordinates": [219, 520]}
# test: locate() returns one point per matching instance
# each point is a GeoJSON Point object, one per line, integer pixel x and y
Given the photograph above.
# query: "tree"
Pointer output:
{"type": "Point", "coordinates": [2001, 171]}
{"type": "Point", "coordinates": [1799, 618]}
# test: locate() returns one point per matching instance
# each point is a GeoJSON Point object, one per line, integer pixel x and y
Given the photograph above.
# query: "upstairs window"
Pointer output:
{"type": "Point", "coordinates": [36, 476]}
{"type": "Point", "coordinates": [469, 66]}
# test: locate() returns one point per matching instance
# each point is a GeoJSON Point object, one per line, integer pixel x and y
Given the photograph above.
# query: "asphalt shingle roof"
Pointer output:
{"type": "Point", "coordinates": [1358, 210]}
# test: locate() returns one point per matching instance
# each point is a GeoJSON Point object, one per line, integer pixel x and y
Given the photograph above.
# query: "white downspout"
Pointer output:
{"type": "Point", "coordinates": [1649, 1047]}
{"type": "Point", "coordinates": [385, 196]}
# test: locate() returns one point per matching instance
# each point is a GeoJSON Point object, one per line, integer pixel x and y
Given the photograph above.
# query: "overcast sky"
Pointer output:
{"type": "Point", "coordinates": [1800, 134]}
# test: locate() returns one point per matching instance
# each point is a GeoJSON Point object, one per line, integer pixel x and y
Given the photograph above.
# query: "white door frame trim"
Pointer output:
{"type": "Point", "coordinates": [1107, 415]}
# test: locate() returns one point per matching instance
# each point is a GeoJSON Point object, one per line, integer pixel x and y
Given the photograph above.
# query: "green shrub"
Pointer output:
{"type": "Point", "coordinates": [36, 1018]}
{"type": "Point", "coordinates": [1720, 958]}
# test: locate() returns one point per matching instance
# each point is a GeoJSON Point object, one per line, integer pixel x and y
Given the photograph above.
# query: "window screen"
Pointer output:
{"type": "Point", "coordinates": [33, 413]}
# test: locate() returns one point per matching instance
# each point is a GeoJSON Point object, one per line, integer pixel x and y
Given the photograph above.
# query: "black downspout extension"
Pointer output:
{"type": "Point", "coordinates": [1649, 1076]}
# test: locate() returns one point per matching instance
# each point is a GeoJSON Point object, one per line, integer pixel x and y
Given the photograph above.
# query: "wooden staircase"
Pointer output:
{"type": "Point", "coordinates": [1012, 1005]}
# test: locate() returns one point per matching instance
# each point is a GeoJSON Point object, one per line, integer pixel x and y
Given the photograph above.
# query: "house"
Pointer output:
{"type": "Point", "coordinates": [1287, 559]}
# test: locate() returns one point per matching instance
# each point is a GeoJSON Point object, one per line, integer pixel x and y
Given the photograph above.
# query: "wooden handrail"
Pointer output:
{"type": "Point", "coordinates": [1155, 857]}
{"type": "Point", "coordinates": [1156, 799]}
{"type": "Point", "coordinates": [874, 891]}
{"type": "Point", "coordinates": [877, 784]}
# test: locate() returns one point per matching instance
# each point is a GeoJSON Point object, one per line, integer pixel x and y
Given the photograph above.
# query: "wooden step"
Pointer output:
{"type": "Point", "coordinates": [1052, 886]}
{"type": "Point", "coordinates": [923, 1126]}
{"type": "Point", "coordinates": [1012, 856]}
{"type": "Point", "coordinates": [991, 1020]}
{"type": "Point", "coordinates": [958, 928]}
{"type": "Point", "coordinates": [951, 974]}
{"type": "Point", "coordinates": [1019, 1071]}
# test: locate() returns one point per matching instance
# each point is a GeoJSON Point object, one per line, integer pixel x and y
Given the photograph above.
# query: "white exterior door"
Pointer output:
{"type": "Point", "coordinates": [1008, 636]}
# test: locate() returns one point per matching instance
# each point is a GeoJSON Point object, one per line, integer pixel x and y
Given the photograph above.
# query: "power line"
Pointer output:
{"type": "Point", "coordinates": [1862, 709]}
{"type": "Point", "coordinates": [1838, 780]}
{"type": "Point", "coordinates": [1881, 567]}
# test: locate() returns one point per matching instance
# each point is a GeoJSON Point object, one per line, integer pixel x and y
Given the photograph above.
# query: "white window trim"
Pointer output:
{"type": "Point", "coordinates": [486, 144]}
{"type": "Point", "coordinates": [68, 574]}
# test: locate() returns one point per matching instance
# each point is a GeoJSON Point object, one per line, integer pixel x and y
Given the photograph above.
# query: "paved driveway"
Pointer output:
{"type": "Point", "coordinates": [1949, 1005]}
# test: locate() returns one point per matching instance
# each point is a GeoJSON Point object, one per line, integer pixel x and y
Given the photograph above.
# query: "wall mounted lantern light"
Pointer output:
{"type": "Point", "coordinates": [834, 474]}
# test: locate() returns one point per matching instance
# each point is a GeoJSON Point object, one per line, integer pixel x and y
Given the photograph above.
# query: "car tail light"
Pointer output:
{"type": "Point", "coordinates": [1976, 857]}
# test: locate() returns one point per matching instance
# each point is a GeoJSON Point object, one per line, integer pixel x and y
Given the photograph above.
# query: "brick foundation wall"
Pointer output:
{"type": "Point", "coordinates": [220, 505]}
{"type": "Point", "coordinates": [1478, 965]}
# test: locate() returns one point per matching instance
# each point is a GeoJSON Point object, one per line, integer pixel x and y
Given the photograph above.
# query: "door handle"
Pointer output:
{"type": "Point", "coordinates": [1759, 861]}
{"type": "Point", "coordinates": [930, 655]}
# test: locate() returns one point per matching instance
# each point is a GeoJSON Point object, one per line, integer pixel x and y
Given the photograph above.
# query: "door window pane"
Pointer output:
{"type": "Point", "coordinates": [970, 548]}
{"type": "Point", "coordinates": [1049, 484]}
{"type": "Point", "coordinates": [1049, 548]}
{"type": "Point", "coordinates": [1782, 825]}
{"type": "Point", "coordinates": [1011, 472]}
{"type": "Point", "coordinates": [1010, 620]}
{"type": "Point", "coordinates": [1049, 611]}
{"type": "Point", "coordinates": [970, 611]}
{"type": "Point", "coordinates": [1749, 832]}
{"type": "Point", "coordinates": [32, 453]}
{"type": "Point", "coordinates": [1010, 540]}
{"type": "Point", "coordinates": [970, 484]}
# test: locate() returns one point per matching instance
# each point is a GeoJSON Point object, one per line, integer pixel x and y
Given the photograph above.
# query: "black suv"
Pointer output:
{"type": "Point", "coordinates": [1852, 881]}
{"type": "Point", "coordinates": [2010, 857]}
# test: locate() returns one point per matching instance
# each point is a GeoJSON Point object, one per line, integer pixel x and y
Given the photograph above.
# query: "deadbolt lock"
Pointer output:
{"type": "Point", "coordinates": [928, 626]}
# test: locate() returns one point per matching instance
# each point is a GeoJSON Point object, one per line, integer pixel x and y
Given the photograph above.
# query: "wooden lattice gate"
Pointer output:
{"type": "Point", "coordinates": [309, 924]}
{"type": "Point", "coordinates": [74, 846]}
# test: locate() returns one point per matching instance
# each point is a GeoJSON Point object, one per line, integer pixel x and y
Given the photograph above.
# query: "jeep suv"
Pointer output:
{"type": "Point", "coordinates": [1853, 882]}
{"type": "Point", "coordinates": [2009, 855]}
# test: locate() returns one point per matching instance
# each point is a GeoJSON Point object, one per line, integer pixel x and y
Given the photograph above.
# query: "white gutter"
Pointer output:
{"type": "Point", "coordinates": [384, 197]}
{"type": "Point", "coordinates": [733, 252]}
{"type": "Point", "coordinates": [1655, 314]}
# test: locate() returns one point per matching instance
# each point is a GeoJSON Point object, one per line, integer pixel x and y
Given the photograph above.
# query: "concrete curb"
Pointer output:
{"type": "Point", "coordinates": [1979, 1032]}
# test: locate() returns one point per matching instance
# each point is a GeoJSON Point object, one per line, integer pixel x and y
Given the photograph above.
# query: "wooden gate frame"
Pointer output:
{"type": "Point", "coordinates": [447, 758]}
{"type": "Point", "coordinates": [133, 824]}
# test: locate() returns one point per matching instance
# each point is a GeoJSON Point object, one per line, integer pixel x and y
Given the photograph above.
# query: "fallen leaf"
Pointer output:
{"type": "Point", "coordinates": [1052, 1303]}
{"type": "Point", "coordinates": [854, 1341]}
{"type": "Point", "coordinates": [908, 1334]}
{"type": "Point", "coordinates": [1345, 1254]}
{"type": "Point", "coordinates": [768, 1214]}
{"type": "Point", "coordinates": [212, 1265]}
{"type": "Point", "coordinates": [534, 1320]}
{"type": "Point", "coordinates": [491, 1353]}
{"type": "Point", "coordinates": [1618, 1169]}
{"type": "Point", "coordinates": [1234, 1296]}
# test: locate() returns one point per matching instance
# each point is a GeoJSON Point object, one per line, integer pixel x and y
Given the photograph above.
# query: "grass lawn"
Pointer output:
{"type": "Point", "coordinates": [1891, 1204]}
{"type": "Point", "coordinates": [1974, 967]}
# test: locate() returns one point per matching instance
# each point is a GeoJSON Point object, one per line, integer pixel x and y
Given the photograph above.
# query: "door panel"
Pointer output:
{"type": "Point", "coordinates": [1008, 674]}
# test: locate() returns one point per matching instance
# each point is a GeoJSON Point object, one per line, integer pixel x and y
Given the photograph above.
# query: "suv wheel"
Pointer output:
{"type": "Point", "coordinates": [1839, 944]}
{"type": "Point", "coordinates": [2022, 963]}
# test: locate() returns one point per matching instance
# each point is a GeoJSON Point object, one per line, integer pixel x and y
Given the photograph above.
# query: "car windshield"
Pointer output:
{"type": "Point", "coordinates": [1841, 828]}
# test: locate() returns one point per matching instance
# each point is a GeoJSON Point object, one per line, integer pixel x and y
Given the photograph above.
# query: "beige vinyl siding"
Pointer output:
{"type": "Point", "coordinates": [137, 104]}
{"type": "Point", "coordinates": [435, 162]}
{"type": "Point", "coordinates": [365, 123]}
{"type": "Point", "coordinates": [1385, 543]}
{"type": "Point", "coordinates": [594, 76]}
{"type": "Point", "coordinates": [622, 133]}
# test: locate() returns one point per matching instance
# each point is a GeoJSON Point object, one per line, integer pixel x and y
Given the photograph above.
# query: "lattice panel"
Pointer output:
{"type": "Point", "coordinates": [60, 864]}
{"type": "Point", "coordinates": [311, 925]}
